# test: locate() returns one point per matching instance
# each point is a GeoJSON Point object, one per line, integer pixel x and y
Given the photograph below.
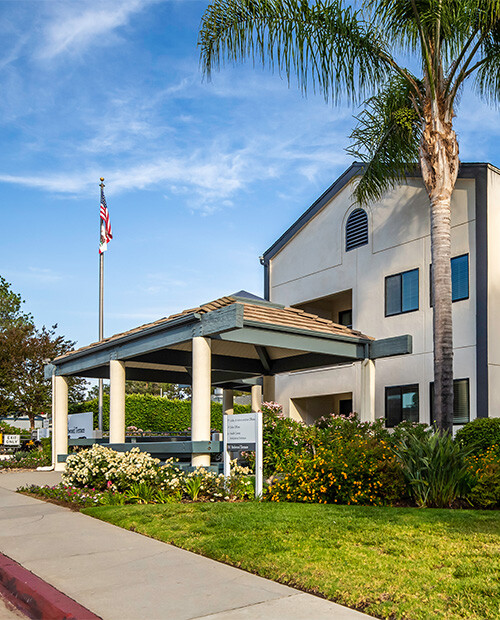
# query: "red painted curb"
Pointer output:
{"type": "Point", "coordinates": [37, 598]}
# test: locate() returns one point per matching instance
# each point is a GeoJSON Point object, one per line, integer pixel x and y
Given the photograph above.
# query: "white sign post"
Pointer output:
{"type": "Point", "coordinates": [244, 432]}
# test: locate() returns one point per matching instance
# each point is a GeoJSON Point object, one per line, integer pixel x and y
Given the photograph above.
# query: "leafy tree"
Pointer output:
{"type": "Point", "coordinates": [10, 307]}
{"type": "Point", "coordinates": [407, 117]}
{"type": "Point", "coordinates": [169, 390]}
{"type": "Point", "coordinates": [24, 351]}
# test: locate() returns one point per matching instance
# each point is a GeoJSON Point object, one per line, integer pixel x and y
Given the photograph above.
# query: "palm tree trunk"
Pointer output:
{"type": "Point", "coordinates": [439, 164]}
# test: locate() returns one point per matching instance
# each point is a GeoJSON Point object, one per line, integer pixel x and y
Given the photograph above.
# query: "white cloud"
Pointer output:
{"type": "Point", "coordinates": [39, 275]}
{"type": "Point", "coordinates": [64, 184]}
{"type": "Point", "coordinates": [88, 24]}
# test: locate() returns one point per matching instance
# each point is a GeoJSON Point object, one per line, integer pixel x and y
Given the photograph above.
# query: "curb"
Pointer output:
{"type": "Point", "coordinates": [36, 598]}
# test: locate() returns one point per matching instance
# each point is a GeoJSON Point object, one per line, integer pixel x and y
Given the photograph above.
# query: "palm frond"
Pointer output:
{"type": "Point", "coordinates": [386, 139]}
{"type": "Point", "coordinates": [322, 43]}
{"type": "Point", "coordinates": [488, 68]}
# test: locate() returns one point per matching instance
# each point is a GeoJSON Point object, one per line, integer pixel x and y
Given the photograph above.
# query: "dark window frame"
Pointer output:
{"type": "Point", "coordinates": [468, 281]}
{"type": "Point", "coordinates": [344, 312]}
{"type": "Point", "coordinates": [431, 401]}
{"type": "Point", "coordinates": [408, 387]}
{"type": "Point", "coordinates": [400, 275]}
{"type": "Point", "coordinates": [364, 235]}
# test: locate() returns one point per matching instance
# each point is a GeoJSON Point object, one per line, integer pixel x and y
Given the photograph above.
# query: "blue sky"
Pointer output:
{"type": "Point", "coordinates": [201, 177]}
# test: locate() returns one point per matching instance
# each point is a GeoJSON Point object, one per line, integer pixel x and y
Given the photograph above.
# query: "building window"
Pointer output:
{"type": "Point", "coordinates": [345, 318]}
{"type": "Point", "coordinates": [401, 293]}
{"type": "Point", "coordinates": [459, 278]}
{"type": "Point", "coordinates": [461, 401]}
{"type": "Point", "coordinates": [356, 230]}
{"type": "Point", "coordinates": [401, 404]}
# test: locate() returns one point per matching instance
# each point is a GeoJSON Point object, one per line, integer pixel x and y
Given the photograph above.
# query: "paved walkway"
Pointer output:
{"type": "Point", "coordinates": [122, 575]}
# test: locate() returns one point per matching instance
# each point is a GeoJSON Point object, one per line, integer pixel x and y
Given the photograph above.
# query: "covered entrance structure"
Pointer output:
{"type": "Point", "coordinates": [233, 342]}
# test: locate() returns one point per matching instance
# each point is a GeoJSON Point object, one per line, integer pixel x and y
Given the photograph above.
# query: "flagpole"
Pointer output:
{"type": "Point", "coordinates": [101, 317]}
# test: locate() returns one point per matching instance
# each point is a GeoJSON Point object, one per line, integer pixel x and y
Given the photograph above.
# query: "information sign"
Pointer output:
{"type": "Point", "coordinates": [244, 432]}
{"type": "Point", "coordinates": [241, 431]}
{"type": "Point", "coordinates": [11, 440]}
{"type": "Point", "coordinates": [80, 425]}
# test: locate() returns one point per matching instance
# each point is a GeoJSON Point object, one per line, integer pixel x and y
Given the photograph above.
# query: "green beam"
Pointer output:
{"type": "Point", "coordinates": [387, 347]}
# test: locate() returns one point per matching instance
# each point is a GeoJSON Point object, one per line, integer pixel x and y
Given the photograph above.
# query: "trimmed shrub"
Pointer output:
{"type": "Point", "coordinates": [155, 413]}
{"type": "Point", "coordinates": [485, 469]}
{"type": "Point", "coordinates": [480, 434]}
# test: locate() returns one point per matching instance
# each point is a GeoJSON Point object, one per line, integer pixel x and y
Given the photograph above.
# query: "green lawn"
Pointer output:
{"type": "Point", "coordinates": [388, 562]}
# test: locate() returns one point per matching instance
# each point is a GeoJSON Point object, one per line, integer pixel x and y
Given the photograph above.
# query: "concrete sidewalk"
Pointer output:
{"type": "Point", "coordinates": [122, 575]}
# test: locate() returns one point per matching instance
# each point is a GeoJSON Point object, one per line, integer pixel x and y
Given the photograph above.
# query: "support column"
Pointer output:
{"type": "Point", "coordinates": [227, 402]}
{"type": "Point", "coordinates": [367, 409]}
{"type": "Point", "coordinates": [116, 401]}
{"type": "Point", "coordinates": [60, 420]}
{"type": "Point", "coordinates": [256, 397]}
{"type": "Point", "coordinates": [200, 400]}
{"type": "Point", "coordinates": [268, 389]}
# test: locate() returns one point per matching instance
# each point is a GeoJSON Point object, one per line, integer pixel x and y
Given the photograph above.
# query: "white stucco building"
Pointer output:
{"type": "Point", "coordinates": [370, 269]}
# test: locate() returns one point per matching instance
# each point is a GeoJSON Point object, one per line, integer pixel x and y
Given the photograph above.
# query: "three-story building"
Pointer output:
{"type": "Point", "coordinates": [370, 268]}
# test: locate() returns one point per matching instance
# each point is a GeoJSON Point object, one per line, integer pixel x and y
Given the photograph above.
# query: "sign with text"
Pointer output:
{"type": "Point", "coordinates": [241, 431]}
{"type": "Point", "coordinates": [244, 432]}
{"type": "Point", "coordinates": [11, 440]}
{"type": "Point", "coordinates": [81, 425]}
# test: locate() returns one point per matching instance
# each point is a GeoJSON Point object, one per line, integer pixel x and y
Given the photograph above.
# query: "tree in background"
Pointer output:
{"type": "Point", "coordinates": [24, 351]}
{"type": "Point", "coordinates": [168, 390]}
{"type": "Point", "coordinates": [407, 117]}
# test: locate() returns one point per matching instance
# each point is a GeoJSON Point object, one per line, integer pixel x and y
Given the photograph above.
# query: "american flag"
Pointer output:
{"type": "Point", "coordinates": [106, 234]}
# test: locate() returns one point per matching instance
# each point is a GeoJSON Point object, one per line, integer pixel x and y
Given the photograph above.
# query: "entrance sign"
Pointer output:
{"type": "Point", "coordinates": [80, 425]}
{"type": "Point", "coordinates": [11, 440]}
{"type": "Point", "coordinates": [244, 432]}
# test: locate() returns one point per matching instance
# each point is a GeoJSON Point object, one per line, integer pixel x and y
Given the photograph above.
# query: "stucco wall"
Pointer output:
{"type": "Point", "coordinates": [314, 264]}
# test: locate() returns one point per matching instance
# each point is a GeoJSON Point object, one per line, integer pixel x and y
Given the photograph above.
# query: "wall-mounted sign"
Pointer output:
{"type": "Point", "coordinates": [80, 425]}
{"type": "Point", "coordinates": [11, 440]}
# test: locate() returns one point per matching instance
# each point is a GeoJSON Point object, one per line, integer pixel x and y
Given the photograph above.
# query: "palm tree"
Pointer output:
{"type": "Point", "coordinates": [407, 118]}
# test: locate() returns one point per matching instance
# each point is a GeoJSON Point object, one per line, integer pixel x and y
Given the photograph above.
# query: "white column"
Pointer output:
{"type": "Point", "coordinates": [227, 402]}
{"type": "Point", "coordinates": [200, 399]}
{"type": "Point", "coordinates": [256, 397]}
{"type": "Point", "coordinates": [116, 401]}
{"type": "Point", "coordinates": [60, 420]}
{"type": "Point", "coordinates": [268, 389]}
{"type": "Point", "coordinates": [367, 409]}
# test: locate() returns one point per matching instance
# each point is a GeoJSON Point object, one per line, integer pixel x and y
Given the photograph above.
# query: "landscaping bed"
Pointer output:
{"type": "Point", "coordinates": [387, 562]}
{"type": "Point", "coordinates": [338, 516]}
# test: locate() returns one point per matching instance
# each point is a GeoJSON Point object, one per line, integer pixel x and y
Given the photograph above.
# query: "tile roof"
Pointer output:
{"type": "Point", "coordinates": [264, 312]}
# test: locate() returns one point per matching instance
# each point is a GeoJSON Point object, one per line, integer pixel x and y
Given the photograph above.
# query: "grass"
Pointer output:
{"type": "Point", "coordinates": [388, 562]}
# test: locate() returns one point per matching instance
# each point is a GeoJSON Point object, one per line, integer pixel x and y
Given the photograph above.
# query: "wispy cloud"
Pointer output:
{"type": "Point", "coordinates": [85, 25]}
{"type": "Point", "coordinates": [39, 275]}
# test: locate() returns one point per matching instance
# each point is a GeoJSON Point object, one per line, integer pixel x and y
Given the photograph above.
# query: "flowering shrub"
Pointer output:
{"type": "Point", "coordinates": [26, 460]}
{"type": "Point", "coordinates": [209, 486]}
{"type": "Point", "coordinates": [485, 469]}
{"type": "Point", "coordinates": [99, 465]}
{"type": "Point", "coordinates": [281, 436]}
{"type": "Point", "coordinates": [361, 471]}
{"type": "Point", "coordinates": [144, 481]}
{"type": "Point", "coordinates": [71, 495]}
{"type": "Point", "coordinates": [480, 434]}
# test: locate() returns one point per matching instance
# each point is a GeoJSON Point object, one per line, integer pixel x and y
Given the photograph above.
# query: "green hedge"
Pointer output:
{"type": "Point", "coordinates": [155, 413]}
{"type": "Point", "coordinates": [480, 434]}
